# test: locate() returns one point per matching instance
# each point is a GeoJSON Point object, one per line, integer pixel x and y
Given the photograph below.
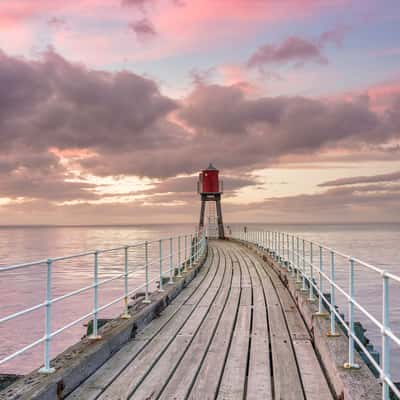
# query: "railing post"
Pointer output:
{"type": "Point", "coordinates": [95, 335]}
{"type": "Point", "coordinates": [311, 281]}
{"type": "Point", "coordinates": [146, 260]}
{"type": "Point", "coordinates": [321, 285]}
{"type": "Point", "coordinates": [191, 251]}
{"type": "Point", "coordinates": [288, 252]}
{"type": "Point", "coordinates": [303, 286]}
{"type": "Point", "coordinates": [171, 262]}
{"type": "Point", "coordinates": [196, 256]}
{"type": "Point", "coordinates": [185, 263]}
{"type": "Point", "coordinates": [279, 247]}
{"type": "Point", "coordinates": [333, 332]}
{"type": "Point", "coordinates": [293, 259]}
{"type": "Point", "coordinates": [46, 369]}
{"type": "Point", "coordinates": [179, 258]}
{"type": "Point", "coordinates": [298, 279]}
{"type": "Point", "coordinates": [351, 363]}
{"type": "Point", "coordinates": [161, 284]}
{"type": "Point", "coordinates": [126, 314]}
{"type": "Point", "coordinates": [385, 338]}
{"type": "Point", "coordinates": [273, 243]}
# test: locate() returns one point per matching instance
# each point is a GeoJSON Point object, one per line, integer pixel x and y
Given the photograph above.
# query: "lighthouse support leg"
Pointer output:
{"type": "Point", "coordinates": [202, 210]}
{"type": "Point", "coordinates": [221, 233]}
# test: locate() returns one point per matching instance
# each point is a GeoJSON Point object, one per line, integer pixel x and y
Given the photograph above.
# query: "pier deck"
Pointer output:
{"type": "Point", "coordinates": [233, 333]}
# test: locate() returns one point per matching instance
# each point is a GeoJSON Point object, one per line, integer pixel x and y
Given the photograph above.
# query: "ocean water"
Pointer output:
{"type": "Point", "coordinates": [377, 244]}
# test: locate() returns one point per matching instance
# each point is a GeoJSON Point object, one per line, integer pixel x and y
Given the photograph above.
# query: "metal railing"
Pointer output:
{"type": "Point", "coordinates": [182, 253]}
{"type": "Point", "coordinates": [306, 260]}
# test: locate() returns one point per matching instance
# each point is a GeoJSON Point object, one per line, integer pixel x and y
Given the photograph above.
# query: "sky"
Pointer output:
{"type": "Point", "coordinates": [110, 108]}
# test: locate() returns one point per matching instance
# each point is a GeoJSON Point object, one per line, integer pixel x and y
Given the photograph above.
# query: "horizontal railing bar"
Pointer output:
{"type": "Point", "coordinates": [22, 312]}
{"type": "Point", "coordinates": [345, 256]}
{"type": "Point", "coordinates": [71, 324]}
{"type": "Point", "coordinates": [24, 265]}
{"type": "Point", "coordinates": [72, 256]}
{"type": "Point", "coordinates": [83, 254]}
{"type": "Point", "coordinates": [23, 350]}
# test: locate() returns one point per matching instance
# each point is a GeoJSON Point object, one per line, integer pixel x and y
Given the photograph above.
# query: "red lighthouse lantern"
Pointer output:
{"type": "Point", "coordinates": [210, 189]}
{"type": "Point", "coordinates": [209, 180]}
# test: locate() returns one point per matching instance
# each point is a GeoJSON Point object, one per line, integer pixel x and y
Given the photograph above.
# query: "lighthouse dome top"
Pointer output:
{"type": "Point", "coordinates": [211, 167]}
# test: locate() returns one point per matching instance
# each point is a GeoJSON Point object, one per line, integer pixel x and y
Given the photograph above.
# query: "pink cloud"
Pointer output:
{"type": "Point", "coordinates": [293, 49]}
{"type": "Point", "coordinates": [180, 25]}
{"type": "Point", "coordinates": [379, 97]}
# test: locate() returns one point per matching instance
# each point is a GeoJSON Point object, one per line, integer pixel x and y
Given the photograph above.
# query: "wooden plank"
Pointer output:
{"type": "Point", "coordinates": [197, 296]}
{"type": "Point", "coordinates": [259, 381]}
{"type": "Point", "coordinates": [207, 380]}
{"type": "Point", "coordinates": [137, 371]}
{"type": "Point", "coordinates": [156, 379]}
{"type": "Point", "coordinates": [92, 387]}
{"type": "Point", "coordinates": [182, 378]}
{"type": "Point", "coordinates": [314, 381]}
{"type": "Point", "coordinates": [234, 376]}
{"type": "Point", "coordinates": [286, 378]}
{"type": "Point", "coordinates": [114, 367]}
{"type": "Point", "coordinates": [297, 327]}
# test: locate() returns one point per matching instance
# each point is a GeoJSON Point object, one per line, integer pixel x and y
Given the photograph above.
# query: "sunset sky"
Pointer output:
{"type": "Point", "coordinates": [109, 108]}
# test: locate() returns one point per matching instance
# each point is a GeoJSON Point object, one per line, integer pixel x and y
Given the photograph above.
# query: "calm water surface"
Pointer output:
{"type": "Point", "coordinates": [377, 244]}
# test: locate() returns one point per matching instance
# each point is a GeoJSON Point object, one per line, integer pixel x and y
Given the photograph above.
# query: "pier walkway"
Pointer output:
{"type": "Point", "coordinates": [233, 333]}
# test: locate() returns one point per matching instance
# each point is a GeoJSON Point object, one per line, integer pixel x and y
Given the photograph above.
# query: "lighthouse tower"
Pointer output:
{"type": "Point", "coordinates": [210, 189]}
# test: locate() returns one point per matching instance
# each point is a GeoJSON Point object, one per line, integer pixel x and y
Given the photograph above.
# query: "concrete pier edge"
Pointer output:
{"type": "Point", "coordinates": [82, 359]}
{"type": "Point", "coordinates": [346, 384]}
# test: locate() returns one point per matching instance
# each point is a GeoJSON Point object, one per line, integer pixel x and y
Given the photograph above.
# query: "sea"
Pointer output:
{"type": "Point", "coordinates": [376, 244]}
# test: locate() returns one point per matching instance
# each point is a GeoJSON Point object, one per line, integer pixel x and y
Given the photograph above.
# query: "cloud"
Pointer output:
{"type": "Point", "coordinates": [136, 3]}
{"type": "Point", "coordinates": [201, 76]}
{"type": "Point", "coordinates": [377, 203]}
{"type": "Point", "coordinates": [143, 29]}
{"type": "Point", "coordinates": [297, 50]}
{"type": "Point", "coordinates": [395, 176]}
{"type": "Point", "coordinates": [293, 49]}
{"type": "Point", "coordinates": [57, 22]}
{"type": "Point", "coordinates": [335, 36]}
{"type": "Point", "coordinates": [121, 124]}
{"type": "Point", "coordinates": [188, 184]}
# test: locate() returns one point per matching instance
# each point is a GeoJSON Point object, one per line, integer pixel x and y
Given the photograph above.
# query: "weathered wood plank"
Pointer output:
{"type": "Point", "coordinates": [234, 376]}
{"type": "Point", "coordinates": [297, 327]}
{"type": "Point", "coordinates": [207, 381]}
{"type": "Point", "coordinates": [314, 381]}
{"type": "Point", "coordinates": [213, 342]}
{"type": "Point", "coordinates": [185, 363]}
{"type": "Point", "coordinates": [259, 383]}
{"type": "Point", "coordinates": [286, 378]}
{"type": "Point", "coordinates": [180, 383]}
{"type": "Point", "coordinates": [96, 384]}
{"type": "Point", "coordinates": [132, 377]}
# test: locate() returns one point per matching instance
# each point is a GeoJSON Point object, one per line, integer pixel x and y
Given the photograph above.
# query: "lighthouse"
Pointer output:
{"type": "Point", "coordinates": [210, 188]}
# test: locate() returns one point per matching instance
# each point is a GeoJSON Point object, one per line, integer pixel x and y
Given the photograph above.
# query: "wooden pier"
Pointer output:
{"type": "Point", "coordinates": [233, 333]}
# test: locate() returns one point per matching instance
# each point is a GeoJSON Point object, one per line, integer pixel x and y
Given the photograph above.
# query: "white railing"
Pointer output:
{"type": "Point", "coordinates": [306, 260]}
{"type": "Point", "coordinates": [182, 253]}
